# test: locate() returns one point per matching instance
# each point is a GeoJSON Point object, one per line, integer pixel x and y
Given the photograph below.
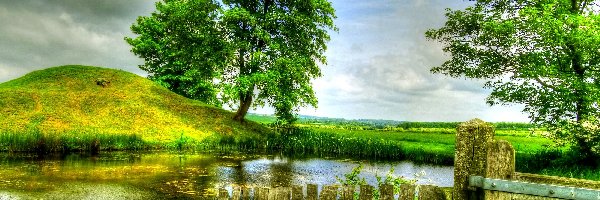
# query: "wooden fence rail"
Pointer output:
{"type": "Point", "coordinates": [333, 192]}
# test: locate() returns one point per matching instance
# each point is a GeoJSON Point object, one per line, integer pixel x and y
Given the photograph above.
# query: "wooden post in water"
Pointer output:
{"type": "Point", "coordinates": [223, 195]}
{"type": "Point", "coordinates": [245, 193]}
{"type": "Point", "coordinates": [261, 193]}
{"type": "Point", "coordinates": [297, 193]}
{"type": "Point", "coordinates": [311, 192]}
{"type": "Point", "coordinates": [347, 192]}
{"type": "Point", "coordinates": [470, 156]}
{"type": "Point", "coordinates": [272, 193]}
{"type": "Point", "coordinates": [329, 192]}
{"type": "Point", "coordinates": [431, 192]}
{"type": "Point", "coordinates": [280, 193]}
{"type": "Point", "coordinates": [386, 192]}
{"type": "Point", "coordinates": [236, 193]}
{"type": "Point", "coordinates": [407, 192]}
{"type": "Point", "coordinates": [366, 192]}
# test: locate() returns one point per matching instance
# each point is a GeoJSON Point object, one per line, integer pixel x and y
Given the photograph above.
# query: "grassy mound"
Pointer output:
{"type": "Point", "coordinates": [85, 105]}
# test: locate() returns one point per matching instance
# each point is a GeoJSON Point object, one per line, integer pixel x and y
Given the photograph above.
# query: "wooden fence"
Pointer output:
{"type": "Point", "coordinates": [484, 168]}
{"type": "Point", "coordinates": [333, 192]}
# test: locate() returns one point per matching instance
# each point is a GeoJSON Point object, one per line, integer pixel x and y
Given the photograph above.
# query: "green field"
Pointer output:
{"type": "Point", "coordinates": [423, 146]}
{"type": "Point", "coordinates": [442, 140]}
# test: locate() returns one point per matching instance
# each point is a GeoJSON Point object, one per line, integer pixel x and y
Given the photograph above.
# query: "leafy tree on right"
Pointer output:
{"type": "Point", "coordinates": [544, 54]}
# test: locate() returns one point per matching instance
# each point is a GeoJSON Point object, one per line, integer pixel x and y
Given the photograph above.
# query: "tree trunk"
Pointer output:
{"type": "Point", "coordinates": [245, 102]}
{"type": "Point", "coordinates": [581, 104]}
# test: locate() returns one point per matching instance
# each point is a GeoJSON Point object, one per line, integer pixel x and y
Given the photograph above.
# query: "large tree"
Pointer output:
{"type": "Point", "coordinates": [247, 52]}
{"type": "Point", "coordinates": [277, 45]}
{"type": "Point", "coordinates": [544, 54]}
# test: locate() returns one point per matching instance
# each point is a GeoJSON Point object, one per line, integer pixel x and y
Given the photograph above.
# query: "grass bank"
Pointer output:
{"type": "Point", "coordinates": [77, 108]}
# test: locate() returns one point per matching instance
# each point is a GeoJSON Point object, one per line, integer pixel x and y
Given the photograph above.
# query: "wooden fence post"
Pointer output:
{"type": "Point", "coordinates": [223, 194]}
{"type": "Point", "coordinates": [280, 193]}
{"type": "Point", "coordinates": [347, 192]}
{"type": "Point", "coordinates": [272, 193]}
{"type": "Point", "coordinates": [329, 192]}
{"type": "Point", "coordinates": [297, 193]}
{"type": "Point", "coordinates": [245, 193]}
{"type": "Point", "coordinates": [236, 193]}
{"type": "Point", "coordinates": [431, 192]}
{"type": "Point", "coordinates": [500, 164]}
{"type": "Point", "coordinates": [407, 192]}
{"type": "Point", "coordinates": [386, 192]}
{"type": "Point", "coordinates": [366, 192]}
{"type": "Point", "coordinates": [261, 193]}
{"type": "Point", "coordinates": [311, 192]}
{"type": "Point", "coordinates": [471, 143]}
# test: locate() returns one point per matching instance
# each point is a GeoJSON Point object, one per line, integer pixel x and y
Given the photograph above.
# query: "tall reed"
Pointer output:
{"type": "Point", "coordinates": [298, 141]}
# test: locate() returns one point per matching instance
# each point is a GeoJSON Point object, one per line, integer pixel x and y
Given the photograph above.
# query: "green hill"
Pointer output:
{"type": "Point", "coordinates": [68, 103]}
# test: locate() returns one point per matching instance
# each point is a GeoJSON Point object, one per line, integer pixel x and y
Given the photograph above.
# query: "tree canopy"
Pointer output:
{"type": "Point", "coordinates": [182, 47]}
{"type": "Point", "coordinates": [250, 53]}
{"type": "Point", "coordinates": [544, 54]}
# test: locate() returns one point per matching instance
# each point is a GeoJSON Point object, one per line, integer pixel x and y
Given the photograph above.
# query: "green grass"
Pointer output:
{"type": "Point", "coordinates": [65, 108]}
{"type": "Point", "coordinates": [324, 142]}
{"type": "Point", "coordinates": [441, 141]}
{"type": "Point", "coordinates": [259, 118]}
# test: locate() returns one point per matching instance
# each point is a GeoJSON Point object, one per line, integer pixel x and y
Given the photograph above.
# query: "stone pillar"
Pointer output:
{"type": "Point", "coordinates": [470, 155]}
{"type": "Point", "coordinates": [500, 164]}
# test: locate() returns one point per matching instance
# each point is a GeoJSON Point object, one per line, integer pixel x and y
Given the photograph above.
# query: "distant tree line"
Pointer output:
{"type": "Point", "coordinates": [373, 124]}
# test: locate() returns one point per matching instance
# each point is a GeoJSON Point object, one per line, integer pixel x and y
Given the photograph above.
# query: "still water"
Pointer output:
{"type": "Point", "coordinates": [161, 175]}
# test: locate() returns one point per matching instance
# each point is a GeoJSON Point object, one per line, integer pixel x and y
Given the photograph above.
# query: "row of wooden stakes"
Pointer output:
{"type": "Point", "coordinates": [333, 192]}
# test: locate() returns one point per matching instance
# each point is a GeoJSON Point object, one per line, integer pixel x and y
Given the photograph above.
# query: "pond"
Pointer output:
{"type": "Point", "coordinates": [160, 175]}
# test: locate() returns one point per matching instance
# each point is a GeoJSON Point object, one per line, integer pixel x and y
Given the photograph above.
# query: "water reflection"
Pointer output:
{"type": "Point", "coordinates": [172, 175]}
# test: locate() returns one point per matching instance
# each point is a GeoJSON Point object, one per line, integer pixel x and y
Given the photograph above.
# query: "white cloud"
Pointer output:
{"type": "Point", "coordinates": [8, 73]}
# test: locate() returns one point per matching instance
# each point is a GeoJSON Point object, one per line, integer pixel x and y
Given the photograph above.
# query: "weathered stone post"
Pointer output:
{"type": "Point", "coordinates": [470, 155]}
{"type": "Point", "coordinates": [500, 164]}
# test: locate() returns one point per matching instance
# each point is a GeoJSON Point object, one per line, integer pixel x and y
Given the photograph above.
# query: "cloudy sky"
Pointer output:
{"type": "Point", "coordinates": [378, 65]}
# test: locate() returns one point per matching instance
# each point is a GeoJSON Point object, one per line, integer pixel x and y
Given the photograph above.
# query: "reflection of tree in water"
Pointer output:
{"type": "Point", "coordinates": [239, 174]}
{"type": "Point", "coordinates": [263, 172]}
{"type": "Point", "coordinates": [281, 172]}
{"type": "Point", "coordinates": [201, 172]}
{"type": "Point", "coordinates": [191, 175]}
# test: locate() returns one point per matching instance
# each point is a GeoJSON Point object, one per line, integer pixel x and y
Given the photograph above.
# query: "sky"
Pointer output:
{"type": "Point", "coordinates": [378, 62]}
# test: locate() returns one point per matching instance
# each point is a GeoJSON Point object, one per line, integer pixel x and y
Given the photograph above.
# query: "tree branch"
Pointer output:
{"type": "Point", "coordinates": [545, 84]}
